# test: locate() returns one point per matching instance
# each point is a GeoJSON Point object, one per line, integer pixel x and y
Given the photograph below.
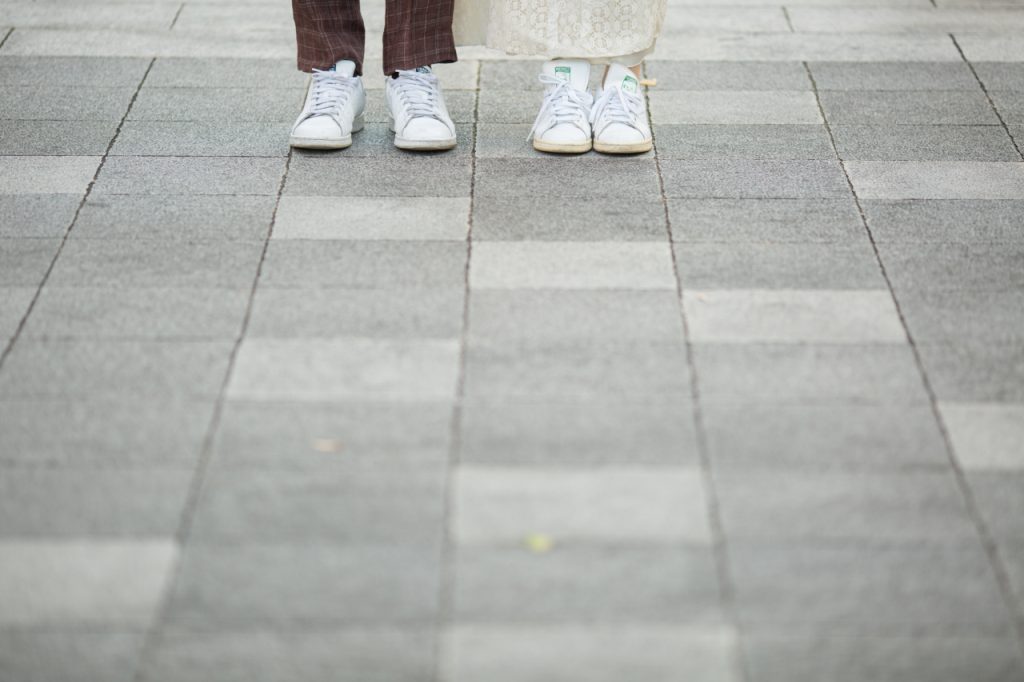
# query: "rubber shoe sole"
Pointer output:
{"type": "Point", "coordinates": [554, 148]}
{"type": "Point", "coordinates": [328, 143]}
{"type": "Point", "coordinates": [637, 148]}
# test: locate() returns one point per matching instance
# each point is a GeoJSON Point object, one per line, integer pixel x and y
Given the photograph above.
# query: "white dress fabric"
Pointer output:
{"type": "Point", "coordinates": [602, 31]}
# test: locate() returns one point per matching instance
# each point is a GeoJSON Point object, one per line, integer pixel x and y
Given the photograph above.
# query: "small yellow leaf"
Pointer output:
{"type": "Point", "coordinates": [539, 543]}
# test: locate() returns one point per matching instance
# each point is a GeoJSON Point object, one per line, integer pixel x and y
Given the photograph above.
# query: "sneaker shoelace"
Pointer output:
{"type": "Point", "coordinates": [565, 103]}
{"type": "Point", "coordinates": [418, 93]}
{"type": "Point", "coordinates": [615, 105]}
{"type": "Point", "coordinates": [330, 93]}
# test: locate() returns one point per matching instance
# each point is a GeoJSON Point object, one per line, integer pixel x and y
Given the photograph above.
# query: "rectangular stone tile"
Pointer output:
{"type": "Point", "coordinates": [991, 48]}
{"type": "Point", "coordinates": [945, 220]}
{"type": "Point", "coordinates": [500, 218]}
{"type": "Point", "coordinates": [734, 106]}
{"type": "Point", "coordinates": [685, 19]}
{"type": "Point", "coordinates": [1000, 75]}
{"type": "Point", "coordinates": [791, 46]}
{"type": "Point", "coordinates": [503, 653]}
{"type": "Point", "coordinates": [768, 142]}
{"type": "Point", "coordinates": [438, 174]}
{"type": "Point", "coordinates": [904, 20]}
{"type": "Point", "coordinates": [590, 585]}
{"type": "Point", "coordinates": [519, 74]}
{"type": "Point", "coordinates": [48, 100]}
{"type": "Point", "coordinates": [36, 215]}
{"type": "Point", "coordinates": [191, 175]}
{"type": "Point", "coordinates": [372, 218]}
{"type": "Point", "coordinates": [47, 174]}
{"type": "Point", "coordinates": [155, 15]}
{"type": "Point", "coordinates": [84, 582]}
{"type": "Point", "coordinates": [105, 72]}
{"type": "Point", "coordinates": [766, 220]}
{"type": "Point", "coordinates": [175, 217]}
{"type": "Point", "coordinates": [893, 76]}
{"type": "Point", "coordinates": [541, 434]}
{"type": "Point", "coordinates": [510, 106]}
{"type": "Point", "coordinates": [547, 179]}
{"type": "Point", "coordinates": [778, 266]}
{"type": "Point", "coordinates": [56, 138]}
{"type": "Point", "coordinates": [281, 586]}
{"type": "Point", "coordinates": [975, 372]}
{"type": "Point", "coordinates": [24, 262]}
{"type": "Point", "coordinates": [815, 374]}
{"type": "Point", "coordinates": [1010, 104]}
{"type": "Point", "coordinates": [223, 138]}
{"type": "Point", "coordinates": [571, 265]}
{"type": "Point", "coordinates": [364, 264]}
{"type": "Point", "coordinates": [223, 72]}
{"type": "Point", "coordinates": [1000, 499]}
{"type": "Point", "coordinates": [986, 436]}
{"type": "Point", "coordinates": [711, 75]}
{"type": "Point", "coordinates": [70, 656]}
{"type": "Point", "coordinates": [238, 104]}
{"type": "Point", "coordinates": [793, 316]}
{"type": "Point", "coordinates": [954, 267]}
{"type": "Point", "coordinates": [924, 143]}
{"type": "Point", "coordinates": [14, 303]}
{"type": "Point", "coordinates": [963, 316]}
{"type": "Point", "coordinates": [754, 179]}
{"type": "Point", "coordinates": [512, 141]}
{"type": "Point", "coordinates": [63, 503]}
{"type": "Point", "coordinates": [747, 437]}
{"type": "Point", "coordinates": [339, 369]}
{"type": "Point", "coordinates": [937, 179]}
{"type": "Point", "coordinates": [949, 107]}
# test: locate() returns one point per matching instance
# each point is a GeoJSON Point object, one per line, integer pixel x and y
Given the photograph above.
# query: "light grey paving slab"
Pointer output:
{"type": "Point", "coordinates": [937, 179]}
{"type": "Point", "coordinates": [511, 75]}
{"type": "Point", "coordinates": [23, 262]}
{"type": "Point", "coordinates": [437, 174]}
{"type": "Point", "coordinates": [506, 506]}
{"type": "Point", "coordinates": [190, 175]}
{"type": "Point", "coordinates": [179, 138]}
{"type": "Point", "coordinates": [238, 104]}
{"type": "Point", "coordinates": [512, 141]}
{"type": "Point", "coordinates": [75, 71]}
{"type": "Point", "coordinates": [949, 107]}
{"type": "Point", "coordinates": [793, 316]}
{"type": "Point", "coordinates": [975, 372]}
{"type": "Point", "coordinates": [364, 264]}
{"type": "Point", "coordinates": [62, 503]}
{"type": "Point", "coordinates": [49, 100]}
{"type": "Point", "coordinates": [754, 179]}
{"type": "Point", "coordinates": [711, 75]}
{"type": "Point", "coordinates": [1001, 75]}
{"type": "Point", "coordinates": [551, 434]}
{"type": "Point", "coordinates": [767, 437]}
{"type": "Point", "coordinates": [990, 48]}
{"type": "Point", "coordinates": [341, 655]}
{"type": "Point", "coordinates": [500, 218]}
{"type": "Point", "coordinates": [153, 15]}
{"type": "Point", "coordinates": [224, 72]}
{"type": "Point", "coordinates": [1010, 104]}
{"type": "Point", "coordinates": [339, 369]}
{"type": "Point", "coordinates": [571, 265]}
{"type": "Point", "coordinates": [945, 220]}
{"type": "Point", "coordinates": [409, 218]}
{"type": "Point", "coordinates": [685, 19]}
{"type": "Point", "coordinates": [1000, 499]}
{"type": "Point", "coordinates": [598, 653]}
{"type": "Point", "coordinates": [36, 215]}
{"type": "Point", "coordinates": [954, 266]}
{"type": "Point", "coordinates": [777, 142]}
{"type": "Point", "coordinates": [963, 316]}
{"type": "Point", "coordinates": [894, 76]}
{"type": "Point", "coordinates": [986, 436]}
{"type": "Point", "coordinates": [815, 374]}
{"type": "Point", "coordinates": [791, 46]}
{"type": "Point", "coordinates": [69, 656]}
{"type": "Point", "coordinates": [778, 266]}
{"type": "Point", "coordinates": [47, 174]}
{"type": "Point", "coordinates": [766, 220]}
{"type": "Point", "coordinates": [280, 586]}
{"type": "Point", "coordinates": [904, 20]}
{"type": "Point", "coordinates": [559, 179]}
{"type": "Point", "coordinates": [208, 218]}
{"type": "Point", "coordinates": [110, 582]}
{"type": "Point", "coordinates": [57, 138]}
{"type": "Point", "coordinates": [734, 106]}
{"type": "Point", "coordinates": [14, 303]}
{"type": "Point", "coordinates": [924, 143]}
{"type": "Point", "coordinates": [587, 585]}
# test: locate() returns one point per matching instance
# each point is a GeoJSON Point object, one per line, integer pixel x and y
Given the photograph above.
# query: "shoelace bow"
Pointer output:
{"type": "Point", "coordinates": [565, 103]}
{"type": "Point", "coordinates": [330, 93]}
{"type": "Point", "coordinates": [419, 93]}
{"type": "Point", "coordinates": [615, 105]}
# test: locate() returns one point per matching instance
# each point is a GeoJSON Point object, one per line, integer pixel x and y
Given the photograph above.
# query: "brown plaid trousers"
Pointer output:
{"type": "Point", "coordinates": [416, 33]}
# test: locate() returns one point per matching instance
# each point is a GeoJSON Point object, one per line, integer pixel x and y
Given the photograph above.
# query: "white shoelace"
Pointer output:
{"type": "Point", "coordinates": [615, 105]}
{"type": "Point", "coordinates": [565, 103]}
{"type": "Point", "coordinates": [330, 93]}
{"type": "Point", "coordinates": [418, 93]}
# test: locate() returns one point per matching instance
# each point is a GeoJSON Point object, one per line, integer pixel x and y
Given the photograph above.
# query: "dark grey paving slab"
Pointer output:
{"type": "Point", "coordinates": [180, 138]}
{"type": "Point", "coordinates": [775, 142]}
{"type": "Point", "coordinates": [1014, 561]}
{"type": "Point", "coordinates": [36, 215]}
{"type": "Point", "coordinates": [14, 303]}
{"type": "Point", "coordinates": [945, 220]}
{"type": "Point", "coordinates": [1000, 498]}
{"type": "Point", "coordinates": [560, 177]}
{"type": "Point", "coordinates": [175, 217]}
{"type": "Point", "coordinates": [950, 107]}
{"type": "Point", "coordinates": [58, 138]}
{"type": "Point", "coordinates": [48, 100]}
{"type": "Point", "coordinates": [282, 586]}
{"type": "Point", "coordinates": [924, 143]}
{"type": "Point", "coordinates": [508, 106]}
{"type": "Point", "coordinates": [747, 437]}
{"type": "Point", "coordinates": [69, 656]}
{"type": "Point", "coordinates": [512, 141]}
{"type": "Point", "coordinates": [224, 72]}
{"type": "Point", "coordinates": [766, 220]}
{"type": "Point", "coordinates": [754, 179]}
{"type": "Point", "coordinates": [435, 174]}
{"type": "Point", "coordinates": [735, 107]}
{"type": "Point", "coordinates": [499, 218]}
{"type": "Point", "coordinates": [975, 372]}
{"type": "Point", "coordinates": [1001, 75]}
{"type": "Point", "coordinates": [387, 265]}
{"type": "Point", "coordinates": [62, 503]}
{"type": "Point", "coordinates": [510, 75]}
{"type": "Point", "coordinates": [369, 218]}
{"type": "Point", "coordinates": [23, 262]}
{"type": "Point", "coordinates": [964, 316]}
{"type": "Point", "coordinates": [74, 71]}
{"type": "Point", "coordinates": [587, 584]}
{"type": "Point", "coordinates": [239, 104]}
{"type": "Point", "coordinates": [717, 75]}
{"type": "Point", "coordinates": [1010, 104]}
{"type": "Point", "coordinates": [193, 175]}
{"type": "Point", "coordinates": [893, 76]}
{"type": "Point", "coordinates": [954, 266]}
{"type": "Point", "coordinates": [937, 179]}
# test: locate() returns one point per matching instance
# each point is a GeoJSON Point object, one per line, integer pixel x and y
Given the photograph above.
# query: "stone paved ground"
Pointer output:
{"type": "Point", "coordinates": [368, 417]}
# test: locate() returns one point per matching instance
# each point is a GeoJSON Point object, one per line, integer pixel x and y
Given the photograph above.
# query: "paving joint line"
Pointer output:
{"type": "Point", "coordinates": [988, 96]}
{"type": "Point", "coordinates": [176, 15]}
{"type": "Point", "coordinates": [720, 550]}
{"type": "Point", "coordinates": [985, 537]}
{"type": "Point", "coordinates": [789, 19]}
{"type": "Point", "coordinates": [6, 36]}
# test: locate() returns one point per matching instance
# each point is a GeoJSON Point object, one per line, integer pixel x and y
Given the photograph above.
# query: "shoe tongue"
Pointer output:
{"type": "Point", "coordinates": [345, 67]}
{"type": "Point", "coordinates": [620, 76]}
{"type": "Point", "coordinates": [576, 72]}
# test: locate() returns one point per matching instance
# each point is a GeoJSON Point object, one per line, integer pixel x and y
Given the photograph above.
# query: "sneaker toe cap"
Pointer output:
{"type": "Point", "coordinates": [620, 133]}
{"type": "Point", "coordinates": [319, 127]}
{"type": "Point", "coordinates": [565, 133]}
{"type": "Point", "coordinates": [424, 128]}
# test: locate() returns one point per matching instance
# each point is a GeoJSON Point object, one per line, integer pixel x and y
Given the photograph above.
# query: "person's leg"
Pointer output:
{"type": "Point", "coordinates": [328, 31]}
{"type": "Point", "coordinates": [418, 33]}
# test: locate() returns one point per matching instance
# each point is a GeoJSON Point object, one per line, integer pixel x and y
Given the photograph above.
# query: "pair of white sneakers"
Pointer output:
{"type": "Point", "coordinates": [336, 103]}
{"type": "Point", "coordinates": [573, 121]}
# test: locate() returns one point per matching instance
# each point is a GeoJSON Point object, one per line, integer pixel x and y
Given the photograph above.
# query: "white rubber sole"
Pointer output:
{"type": "Point", "coordinates": [358, 123]}
{"type": "Point", "coordinates": [410, 145]}
{"type": "Point", "coordinates": [637, 148]}
{"type": "Point", "coordinates": [552, 148]}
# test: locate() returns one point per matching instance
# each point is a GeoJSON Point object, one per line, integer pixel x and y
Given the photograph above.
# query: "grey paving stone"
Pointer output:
{"type": "Point", "coordinates": [280, 586]}
{"type": "Point", "coordinates": [63, 503]}
{"type": "Point", "coordinates": [539, 434]}
{"type": "Point", "coordinates": [223, 138]}
{"type": "Point", "coordinates": [1010, 104]}
{"type": "Point", "coordinates": [1001, 75]}
{"type": "Point", "coordinates": [122, 311]}
{"type": "Point", "coordinates": [924, 143]}
{"type": "Point", "coordinates": [192, 175]}
{"type": "Point", "coordinates": [986, 436]}
{"type": "Point", "coordinates": [734, 106]}
{"type": "Point", "coordinates": [24, 262]}
{"type": "Point", "coordinates": [321, 507]}
{"type": "Point", "coordinates": [14, 303]}
{"type": "Point", "coordinates": [778, 266]}
{"type": "Point", "coordinates": [945, 220]}
{"type": "Point", "coordinates": [753, 437]}
{"type": "Point", "coordinates": [587, 585]}
{"type": "Point", "coordinates": [939, 266]}
{"type": "Point", "coordinates": [963, 316]}
{"type": "Point", "coordinates": [117, 583]}
{"type": "Point", "coordinates": [47, 174]}
{"type": "Point", "coordinates": [727, 75]}
{"type": "Point", "coordinates": [549, 179]}
{"type": "Point", "coordinates": [75, 71]}
{"type": "Point", "coordinates": [809, 374]}
{"type": "Point", "coordinates": [150, 16]}
{"type": "Point", "coordinates": [410, 218]}
{"type": "Point", "coordinates": [1000, 499]}
{"type": "Point", "coordinates": [937, 179]}
{"type": "Point", "coordinates": [48, 100]}
{"type": "Point", "coordinates": [509, 106]}
{"type": "Point", "coordinates": [985, 371]}
{"type": "Point", "coordinates": [884, 589]}
{"type": "Point", "coordinates": [239, 104]}
{"type": "Point", "coordinates": [766, 220]}
{"type": "Point", "coordinates": [68, 656]}
{"type": "Point", "coordinates": [500, 218]}
{"type": "Point", "coordinates": [1015, 568]}
{"type": "Point", "coordinates": [382, 265]}
{"type": "Point", "coordinates": [893, 76]}
{"type": "Point", "coordinates": [36, 215]}
{"type": "Point", "coordinates": [754, 179]}
{"type": "Point", "coordinates": [321, 655]}
{"type": "Point", "coordinates": [224, 72]}
{"type": "Point", "coordinates": [904, 20]}
{"type": "Point", "coordinates": [438, 174]}
{"type": "Point", "coordinates": [778, 142]}
{"type": "Point", "coordinates": [510, 75]}
{"type": "Point", "coordinates": [175, 217]}
{"type": "Point", "coordinates": [949, 107]}
{"type": "Point", "coordinates": [58, 138]}
{"type": "Point", "coordinates": [512, 141]}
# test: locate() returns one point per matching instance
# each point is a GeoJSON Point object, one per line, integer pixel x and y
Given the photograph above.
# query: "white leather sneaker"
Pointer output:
{"type": "Point", "coordinates": [619, 116]}
{"type": "Point", "coordinates": [563, 124]}
{"type": "Point", "coordinates": [419, 117]}
{"type": "Point", "coordinates": [333, 110]}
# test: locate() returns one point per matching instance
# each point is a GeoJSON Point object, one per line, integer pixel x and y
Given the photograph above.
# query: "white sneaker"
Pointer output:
{"type": "Point", "coordinates": [563, 124]}
{"type": "Point", "coordinates": [419, 117]}
{"type": "Point", "coordinates": [619, 117]}
{"type": "Point", "coordinates": [333, 110]}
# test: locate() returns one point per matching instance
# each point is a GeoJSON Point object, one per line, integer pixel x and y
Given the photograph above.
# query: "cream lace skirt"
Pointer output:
{"type": "Point", "coordinates": [602, 31]}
